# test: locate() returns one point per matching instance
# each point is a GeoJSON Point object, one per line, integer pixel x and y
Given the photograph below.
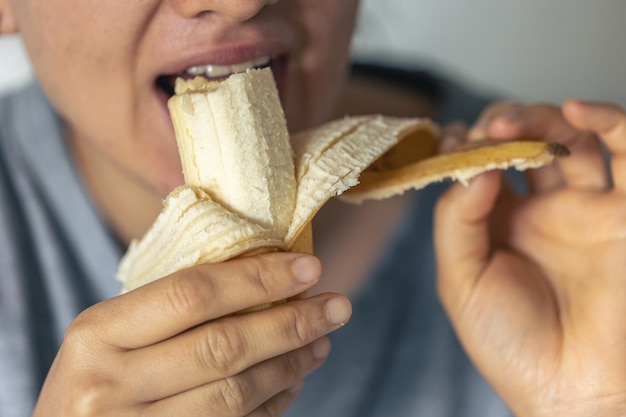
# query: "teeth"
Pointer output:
{"type": "Point", "coordinates": [196, 70]}
{"type": "Point", "coordinates": [217, 71]}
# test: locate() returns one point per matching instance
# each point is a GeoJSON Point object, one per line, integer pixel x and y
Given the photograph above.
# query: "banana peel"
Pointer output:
{"type": "Point", "coordinates": [251, 188]}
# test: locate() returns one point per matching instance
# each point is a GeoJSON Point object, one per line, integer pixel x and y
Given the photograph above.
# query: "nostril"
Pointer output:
{"type": "Point", "coordinates": [240, 10]}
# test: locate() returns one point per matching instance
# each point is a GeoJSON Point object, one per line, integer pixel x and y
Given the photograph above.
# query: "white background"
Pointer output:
{"type": "Point", "coordinates": [527, 49]}
{"type": "Point", "coordinates": [14, 69]}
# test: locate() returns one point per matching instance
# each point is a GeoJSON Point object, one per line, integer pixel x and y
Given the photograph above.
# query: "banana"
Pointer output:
{"type": "Point", "coordinates": [234, 143]}
{"type": "Point", "coordinates": [250, 188]}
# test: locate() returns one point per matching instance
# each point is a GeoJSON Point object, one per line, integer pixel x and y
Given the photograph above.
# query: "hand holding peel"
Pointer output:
{"type": "Point", "coordinates": [535, 286]}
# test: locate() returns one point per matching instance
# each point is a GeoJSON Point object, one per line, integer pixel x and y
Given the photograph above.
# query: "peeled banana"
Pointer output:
{"type": "Point", "coordinates": [250, 188]}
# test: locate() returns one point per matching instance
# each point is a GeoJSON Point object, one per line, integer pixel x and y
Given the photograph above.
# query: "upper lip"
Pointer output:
{"type": "Point", "coordinates": [225, 54]}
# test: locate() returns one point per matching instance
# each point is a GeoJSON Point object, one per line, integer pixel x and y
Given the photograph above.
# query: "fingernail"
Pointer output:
{"type": "Point", "coordinates": [339, 310]}
{"type": "Point", "coordinates": [321, 348]}
{"type": "Point", "coordinates": [306, 268]}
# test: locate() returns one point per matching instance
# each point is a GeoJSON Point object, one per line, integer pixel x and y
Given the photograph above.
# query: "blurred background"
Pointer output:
{"type": "Point", "coordinates": [14, 69]}
{"type": "Point", "coordinates": [546, 50]}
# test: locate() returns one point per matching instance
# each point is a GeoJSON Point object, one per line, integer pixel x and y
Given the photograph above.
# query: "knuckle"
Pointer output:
{"type": "Point", "coordinates": [188, 293]}
{"type": "Point", "coordinates": [82, 335]}
{"type": "Point", "coordinates": [262, 275]}
{"type": "Point", "coordinates": [81, 355]}
{"type": "Point", "coordinates": [94, 399]}
{"type": "Point", "coordinates": [297, 331]}
{"type": "Point", "coordinates": [222, 350]}
{"type": "Point", "coordinates": [234, 393]}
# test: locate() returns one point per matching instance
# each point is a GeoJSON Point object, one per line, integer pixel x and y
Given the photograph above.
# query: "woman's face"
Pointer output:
{"type": "Point", "coordinates": [108, 66]}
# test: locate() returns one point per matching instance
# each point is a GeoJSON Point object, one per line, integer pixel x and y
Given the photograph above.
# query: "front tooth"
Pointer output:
{"type": "Point", "coordinates": [197, 70]}
{"type": "Point", "coordinates": [214, 71]}
{"type": "Point", "coordinates": [261, 62]}
{"type": "Point", "coordinates": [242, 67]}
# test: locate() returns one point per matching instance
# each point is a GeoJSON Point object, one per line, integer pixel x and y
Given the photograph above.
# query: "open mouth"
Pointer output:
{"type": "Point", "coordinates": [166, 82]}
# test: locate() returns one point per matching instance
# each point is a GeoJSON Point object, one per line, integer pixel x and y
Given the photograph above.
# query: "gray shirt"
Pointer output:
{"type": "Point", "coordinates": [397, 357]}
{"type": "Point", "coordinates": [56, 256]}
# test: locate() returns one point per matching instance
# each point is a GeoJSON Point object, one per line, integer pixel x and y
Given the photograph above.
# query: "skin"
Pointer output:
{"type": "Point", "coordinates": [234, 365]}
{"type": "Point", "coordinates": [535, 284]}
{"type": "Point", "coordinates": [123, 143]}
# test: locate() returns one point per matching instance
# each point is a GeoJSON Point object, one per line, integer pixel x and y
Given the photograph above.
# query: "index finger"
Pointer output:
{"type": "Point", "coordinates": [584, 169]}
{"type": "Point", "coordinates": [176, 303]}
{"type": "Point", "coordinates": [608, 121]}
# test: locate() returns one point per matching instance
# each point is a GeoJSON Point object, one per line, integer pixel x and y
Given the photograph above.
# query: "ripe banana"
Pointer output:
{"type": "Point", "coordinates": [247, 190]}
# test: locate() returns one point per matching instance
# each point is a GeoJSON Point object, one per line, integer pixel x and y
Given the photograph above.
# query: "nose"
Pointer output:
{"type": "Point", "coordinates": [240, 10]}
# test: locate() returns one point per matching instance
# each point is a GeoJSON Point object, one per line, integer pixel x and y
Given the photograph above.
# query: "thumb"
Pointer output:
{"type": "Point", "coordinates": [462, 242]}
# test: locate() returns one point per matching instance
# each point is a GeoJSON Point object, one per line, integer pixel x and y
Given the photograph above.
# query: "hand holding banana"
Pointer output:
{"type": "Point", "coordinates": [174, 348]}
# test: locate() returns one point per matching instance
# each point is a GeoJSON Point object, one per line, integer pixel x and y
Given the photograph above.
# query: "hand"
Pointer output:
{"type": "Point", "coordinates": [535, 285]}
{"type": "Point", "coordinates": [172, 347]}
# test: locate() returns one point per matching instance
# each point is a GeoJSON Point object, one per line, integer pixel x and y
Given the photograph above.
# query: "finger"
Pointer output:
{"type": "Point", "coordinates": [503, 121]}
{"type": "Point", "coordinates": [228, 346]}
{"type": "Point", "coordinates": [479, 130]}
{"type": "Point", "coordinates": [607, 121]}
{"type": "Point", "coordinates": [173, 304]}
{"type": "Point", "coordinates": [585, 168]}
{"type": "Point", "coordinates": [462, 239]}
{"type": "Point", "coordinates": [543, 180]}
{"type": "Point", "coordinates": [452, 136]}
{"type": "Point", "coordinates": [241, 394]}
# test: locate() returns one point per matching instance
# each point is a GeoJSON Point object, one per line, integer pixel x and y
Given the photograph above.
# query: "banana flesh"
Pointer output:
{"type": "Point", "coordinates": [248, 191]}
{"type": "Point", "coordinates": [234, 143]}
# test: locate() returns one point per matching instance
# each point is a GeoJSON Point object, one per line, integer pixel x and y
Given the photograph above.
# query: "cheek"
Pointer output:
{"type": "Point", "coordinates": [153, 156]}
{"type": "Point", "coordinates": [145, 153]}
{"type": "Point", "coordinates": [97, 90]}
{"type": "Point", "coordinates": [318, 71]}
